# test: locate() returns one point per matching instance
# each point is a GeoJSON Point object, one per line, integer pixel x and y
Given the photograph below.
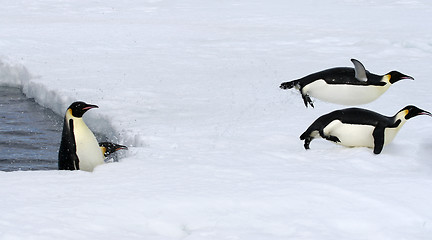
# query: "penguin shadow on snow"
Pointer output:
{"type": "Point", "coordinates": [79, 148]}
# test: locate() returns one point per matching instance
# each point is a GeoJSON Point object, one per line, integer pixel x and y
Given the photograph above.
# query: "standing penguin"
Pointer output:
{"type": "Point", "coordinates": [356, 127]}
{"type": "Point", "coordinates": [344, 85]}
{"type": "Point", "coordinates": [79, 149]}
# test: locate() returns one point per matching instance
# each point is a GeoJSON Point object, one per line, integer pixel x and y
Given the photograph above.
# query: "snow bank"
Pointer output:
{"type": "Point", "coordinates": [17, 75]}
{"type": "Point", "coordinates": [13, 75]}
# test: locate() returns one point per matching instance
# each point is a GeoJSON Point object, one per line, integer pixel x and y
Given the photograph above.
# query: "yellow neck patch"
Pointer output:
{"type": "Point", "coordinates": [387, 78]}
{"type": "Point", "coordinates": [103, 149]}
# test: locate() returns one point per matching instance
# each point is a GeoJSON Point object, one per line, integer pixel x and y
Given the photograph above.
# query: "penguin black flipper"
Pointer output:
{"type": "Point", "coordinates": [332, 138]}
{"type": "Point", "coordinates": [360, 70]}
{"type": "Point", "coordinates": [68, 160]}
{"type": "Point", "coordinates": [378, 135]}
{"type": "Point", "coordinates": [73, 155]}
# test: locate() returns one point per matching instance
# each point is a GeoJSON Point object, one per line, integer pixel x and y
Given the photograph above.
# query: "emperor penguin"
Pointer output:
{"type": "Point", "coordinates": [79, 149]}
{"type": "Point", "coordinates": [344, 85]}
{"type": "Point", "coordinates": [108, 147]}
{"type": "Point", "coordinates": [357, 127]}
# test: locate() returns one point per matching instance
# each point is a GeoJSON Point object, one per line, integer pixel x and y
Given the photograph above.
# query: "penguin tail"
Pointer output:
{"type": "Point", "coordinates": [305, 135]}
{"type": "Point", "coordinates": [289, 85]}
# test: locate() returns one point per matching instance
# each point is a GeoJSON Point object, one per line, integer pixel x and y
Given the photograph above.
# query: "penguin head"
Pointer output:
{"type": "Point", "coordinates": [396, 76]}
{"type": "Point", "coordinates": [79, 108]}
{"type": "Point", "coordinates": [109, 147]}
{"type": "Point", "coordinates": [412, 111]}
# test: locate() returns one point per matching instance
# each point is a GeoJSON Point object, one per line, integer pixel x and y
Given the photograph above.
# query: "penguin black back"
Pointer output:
{"type": "Point", "coordinates": [341, 75]}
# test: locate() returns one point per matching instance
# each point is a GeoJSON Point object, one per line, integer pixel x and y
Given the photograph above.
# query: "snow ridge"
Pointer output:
{"type": "Point", "coordinates": [13, 75]}
{"type": "Point", "coordinates": [17, 75]}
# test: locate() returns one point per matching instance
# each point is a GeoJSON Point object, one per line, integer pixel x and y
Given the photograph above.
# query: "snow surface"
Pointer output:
{"type": "Point", "coordinates": [214, 152]}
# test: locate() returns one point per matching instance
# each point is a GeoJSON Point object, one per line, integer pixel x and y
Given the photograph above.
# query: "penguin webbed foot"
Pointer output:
{"type": "Point", "coordinates": [307, 100]}
{"type": "Point", "coordinates": [307, 142]}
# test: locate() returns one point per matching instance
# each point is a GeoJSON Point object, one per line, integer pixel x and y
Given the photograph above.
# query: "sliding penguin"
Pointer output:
{"type": "Point", "coordinates": [79, 149]}
{"type": "Point", "coordinates": [109, 147]}
{"type": "Point", "coordinates": [344, 85]}
{"type": "Point", "coordinates": [356, 127]}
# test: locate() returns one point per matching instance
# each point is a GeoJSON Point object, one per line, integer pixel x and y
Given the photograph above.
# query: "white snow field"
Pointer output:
{"type": "Point", "coordinates": [192, 87]}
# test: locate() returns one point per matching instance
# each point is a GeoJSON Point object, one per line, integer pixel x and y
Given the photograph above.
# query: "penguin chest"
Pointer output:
{"type": "Point", "coordinates": [390, 134]}
{"type": "Point", "coordinates": [357, 135]}
{"type": "Point", "coordinates": [87, 147]}
{"type": "Point", "coordinates": [346, 94]}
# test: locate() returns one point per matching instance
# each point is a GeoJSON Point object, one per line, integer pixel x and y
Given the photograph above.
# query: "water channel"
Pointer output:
{"type": "Point", "coordinates": [29, 133]}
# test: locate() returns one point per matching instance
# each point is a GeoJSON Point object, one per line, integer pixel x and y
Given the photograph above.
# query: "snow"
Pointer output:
{"type": "Point", "coordinates": [191, 87]}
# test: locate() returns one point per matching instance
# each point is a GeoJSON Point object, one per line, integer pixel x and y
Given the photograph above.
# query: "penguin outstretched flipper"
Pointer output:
{"type": "Point", "coordinates": [360, 70]}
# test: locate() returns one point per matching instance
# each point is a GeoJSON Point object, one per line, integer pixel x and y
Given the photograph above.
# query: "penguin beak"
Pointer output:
{"type": "Point", "coordinates": [121, 147]}
{"type": "Point", "coordinates": [89, 106]}
{"type": "Point", "coordinates": [425, 113]}
{"type": "Point", "coordinates": [407, 77]}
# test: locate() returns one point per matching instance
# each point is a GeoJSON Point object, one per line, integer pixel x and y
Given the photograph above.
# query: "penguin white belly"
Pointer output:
{"type": "Point", "coordinates": [343, 93]}
{"type": "Point", "coordinates": [357, 135]}
{"type": "Point", "coordinates": [87, 147]}
{"type": "Point", "coordinates": [351, 135]}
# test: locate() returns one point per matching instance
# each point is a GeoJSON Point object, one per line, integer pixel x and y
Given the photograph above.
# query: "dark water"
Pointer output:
{"type": "Point", "coordinates": [29, 134]}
